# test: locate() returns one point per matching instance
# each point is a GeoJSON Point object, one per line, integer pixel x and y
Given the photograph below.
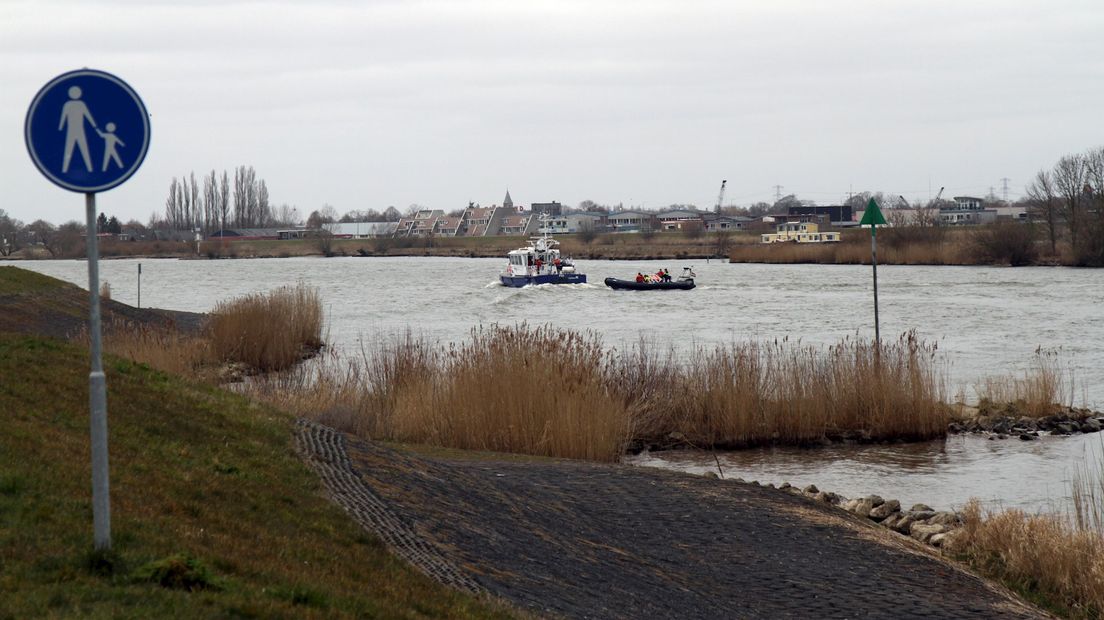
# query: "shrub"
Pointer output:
{"type": "Point", "coordinates": [1006, 242]}
{"type": "Point", "coordinates": [268, 331]}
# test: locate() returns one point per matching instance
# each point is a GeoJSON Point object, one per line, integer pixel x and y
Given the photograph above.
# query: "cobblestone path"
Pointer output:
{"type": "Point", "coordinates": [585, 540]}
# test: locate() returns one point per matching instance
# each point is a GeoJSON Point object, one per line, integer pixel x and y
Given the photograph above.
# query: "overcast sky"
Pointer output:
{"type": "Point", "coordinates": [368, 104]}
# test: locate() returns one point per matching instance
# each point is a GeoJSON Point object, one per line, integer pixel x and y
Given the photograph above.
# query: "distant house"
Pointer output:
{"type": "Point", "coordinates": [421, 224]}
{"type": "Point", "coordinates": [357, 230]}
{"type": "Point", "coordinates": [575, 222]}
{"type": "Point", "coordinates": [546, 208]}
{"type": "Point", "coordinates": [679, 219]}
{"type": "Point", "coordinates": [826, 214]}
{"type": "Point", "coordinates": [966, 211]}
{"type": "Point", "coordinates": [628, 221]}
{"type": "Point", "coordinates": [241, 234]}
{"type": "Point", "coordinates": [800, 232]}
{"type": "Point", "coordinates": [714, 222]}
{"type": "Point", "coordinates": [517, 225]}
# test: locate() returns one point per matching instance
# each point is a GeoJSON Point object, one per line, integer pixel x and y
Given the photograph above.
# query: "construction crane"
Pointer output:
{"type": "Point", "coordinates": [938, 196]}
{"type": "Point", "coordinates": [720, 197]}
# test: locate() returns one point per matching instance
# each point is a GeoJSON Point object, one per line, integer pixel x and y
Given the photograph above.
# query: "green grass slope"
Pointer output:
{"type": "Point", "coordinates": [213, 514]}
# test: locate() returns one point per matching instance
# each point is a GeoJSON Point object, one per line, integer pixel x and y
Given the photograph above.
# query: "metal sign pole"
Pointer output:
{"type": "Point", "coordinates": [59, 124]}
{"type": "Point", "coordinates": [139, 285]}
{"type": "Point", "coordinates": [874, 260]}
{"type": "Point", "coordinates": [97, 387]}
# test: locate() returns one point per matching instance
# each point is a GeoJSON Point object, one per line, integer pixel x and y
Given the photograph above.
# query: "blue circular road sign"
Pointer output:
{"type": "Point", "coordinates": [87, 131]}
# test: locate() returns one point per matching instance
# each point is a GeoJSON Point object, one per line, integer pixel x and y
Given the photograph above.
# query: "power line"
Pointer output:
{"type": "Point", "coordinates": [1004, 188]}
{"type": "Point", "coordinates": [777, 193]}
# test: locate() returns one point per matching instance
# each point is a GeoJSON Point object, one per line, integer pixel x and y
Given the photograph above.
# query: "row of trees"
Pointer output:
{"type": "Point", "coordinates": [1068, 201]}
{"type": "Point", "coordinates": [64, 240]}
{"type": "Point", "coordinates": [220, 203]}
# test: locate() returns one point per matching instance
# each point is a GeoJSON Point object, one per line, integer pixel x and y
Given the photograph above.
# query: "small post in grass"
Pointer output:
{"type": "Point", "coordinates": [139, 285]}
{"type": "Point", "coordinates": [872, 217]}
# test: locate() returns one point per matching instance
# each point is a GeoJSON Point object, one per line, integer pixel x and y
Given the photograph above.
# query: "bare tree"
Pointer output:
{"type": "Point", "coordinates": [264, 213]}
{"type": "Point", "coordinates": [1044, 206]}
{"type": "Point", "coordinates": [240, 198]}
{"type": "Point", "coordinates": [286, 215]}
{"type": "Point", "coordinates": [1069, 178]}
{"type": "Point", "coordinates": [210, 202]}
{"type": "Point", "coordinates": [197, 206]}
{"type": "Point", "coordinates": [223, 200]}
{"type": "Point", "coordinates": [11, 234]}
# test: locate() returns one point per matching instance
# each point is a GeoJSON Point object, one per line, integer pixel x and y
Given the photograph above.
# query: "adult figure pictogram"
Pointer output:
{"type": "Point", "coordinates": [73, 114]}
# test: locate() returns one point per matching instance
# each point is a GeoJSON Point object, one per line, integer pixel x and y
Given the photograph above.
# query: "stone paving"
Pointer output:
{"type": "Point", "coordinates": [585, 540]}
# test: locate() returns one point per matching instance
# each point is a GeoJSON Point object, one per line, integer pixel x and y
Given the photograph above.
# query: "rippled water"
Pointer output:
{"type": "Point", "coordinates": [1031, 475]}
{"type": "Point", "coordinates": [986, 321]}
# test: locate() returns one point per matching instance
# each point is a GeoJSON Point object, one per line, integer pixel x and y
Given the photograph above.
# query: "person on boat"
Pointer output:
{"type": "Point", "coordinates": [666, 275]}
{"type": "Point", "coordinates": [639, 277]}
{"type": "Point", "coordinates": [558, 264]}
{"type": "Point", "coordinates": [539, 263]}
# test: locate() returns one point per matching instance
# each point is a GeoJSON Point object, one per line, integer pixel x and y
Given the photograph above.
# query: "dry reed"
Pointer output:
{"type": "Point", "coordinates": [1087, 492]}
{"type": "Point", "coordinates": [160, 347]}
{"type": "Point", "coordinates": [1040, 555]}
{"type": "Point", "coordinates": [268, 331]}
{"type": "Point", "coordinates": [558, 393]}
{"type": "Point", "coordinates": [1036, 394]}
{"type": "Point", "coordinates": [532, 391]}
{"type": "Point", "coordinates": [783, 391]}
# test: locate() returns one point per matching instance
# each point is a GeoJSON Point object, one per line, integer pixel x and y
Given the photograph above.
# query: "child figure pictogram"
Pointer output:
{"type": "Point", "coordinates": [110, 140]}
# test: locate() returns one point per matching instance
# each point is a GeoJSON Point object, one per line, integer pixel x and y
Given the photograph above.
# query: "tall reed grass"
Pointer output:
{"type": "Point", "coordinates": [267, 331]}
{"type": "Point", "coordinates": [560, 393]}
{"type": "Point", "coordinates": [1042, 556]}
{"type": "Point", "coordinates": [782, 391]}
{"type": "Point", "coordinates": [1057, 560]}
{"type": "Point", "coordinates": [534, 391]}
{"type": "Point", "coordinates": [264, 332]}
{"type": "Point", "coordinates": [1038, 393]}
{"type": "Point", "coordinates": [160, 347]}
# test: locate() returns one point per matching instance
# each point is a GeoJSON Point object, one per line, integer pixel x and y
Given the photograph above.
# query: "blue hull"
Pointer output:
{"type": "Point", "coordinates": [546, 278]}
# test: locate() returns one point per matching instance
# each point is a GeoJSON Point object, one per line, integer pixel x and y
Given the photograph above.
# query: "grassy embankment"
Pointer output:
{"type": "Point", "coordinates": [213, 513]}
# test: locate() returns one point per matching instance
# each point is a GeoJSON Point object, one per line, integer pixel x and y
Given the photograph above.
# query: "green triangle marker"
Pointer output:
{"type": "Point", "coordinates": [872, 216]}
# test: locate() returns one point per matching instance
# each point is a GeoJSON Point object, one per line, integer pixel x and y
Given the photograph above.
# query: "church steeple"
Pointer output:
{"type": "Point", "coordinates": [507, 201]}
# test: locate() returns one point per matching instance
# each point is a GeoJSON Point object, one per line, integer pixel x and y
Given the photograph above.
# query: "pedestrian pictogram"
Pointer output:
{"type": "Point", "coordinates": [63, 131]}
{"type": "Point", "coordinates": [87, 131]}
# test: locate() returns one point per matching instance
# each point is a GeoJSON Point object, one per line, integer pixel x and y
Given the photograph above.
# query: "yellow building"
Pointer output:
{"type": "Point", "coordinates": [800, 232]}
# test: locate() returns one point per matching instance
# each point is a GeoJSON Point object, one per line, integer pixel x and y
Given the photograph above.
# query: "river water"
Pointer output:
{"type": "Point", "coordinates": [986, 321]}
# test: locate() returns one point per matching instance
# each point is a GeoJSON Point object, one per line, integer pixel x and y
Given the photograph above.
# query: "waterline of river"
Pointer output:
{"type": "Point", "coordinates": [986, 322]}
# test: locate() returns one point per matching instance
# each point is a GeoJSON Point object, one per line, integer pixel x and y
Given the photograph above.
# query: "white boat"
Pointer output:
{"type": "Point", "coordinates": [540, 262]}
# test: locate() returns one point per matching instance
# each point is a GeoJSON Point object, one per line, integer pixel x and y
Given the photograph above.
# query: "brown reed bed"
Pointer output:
{"type": "Point", "coordinates": [552, 392]}
{"type": "Point", "coordinates": [532, 391]}
{"type": "Point", "coordinates": [264, 332]}
{"type": "Point", "coordinates": [754, 393]}
{"type": "Point", "coordinates": [1037, 393]}
{"type": "Point", "coordinates": [1044, 557]}
{"type": "Point", "coordinates": [161, 347]}
{"type": "Point", "coordinates": [267, 331]}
